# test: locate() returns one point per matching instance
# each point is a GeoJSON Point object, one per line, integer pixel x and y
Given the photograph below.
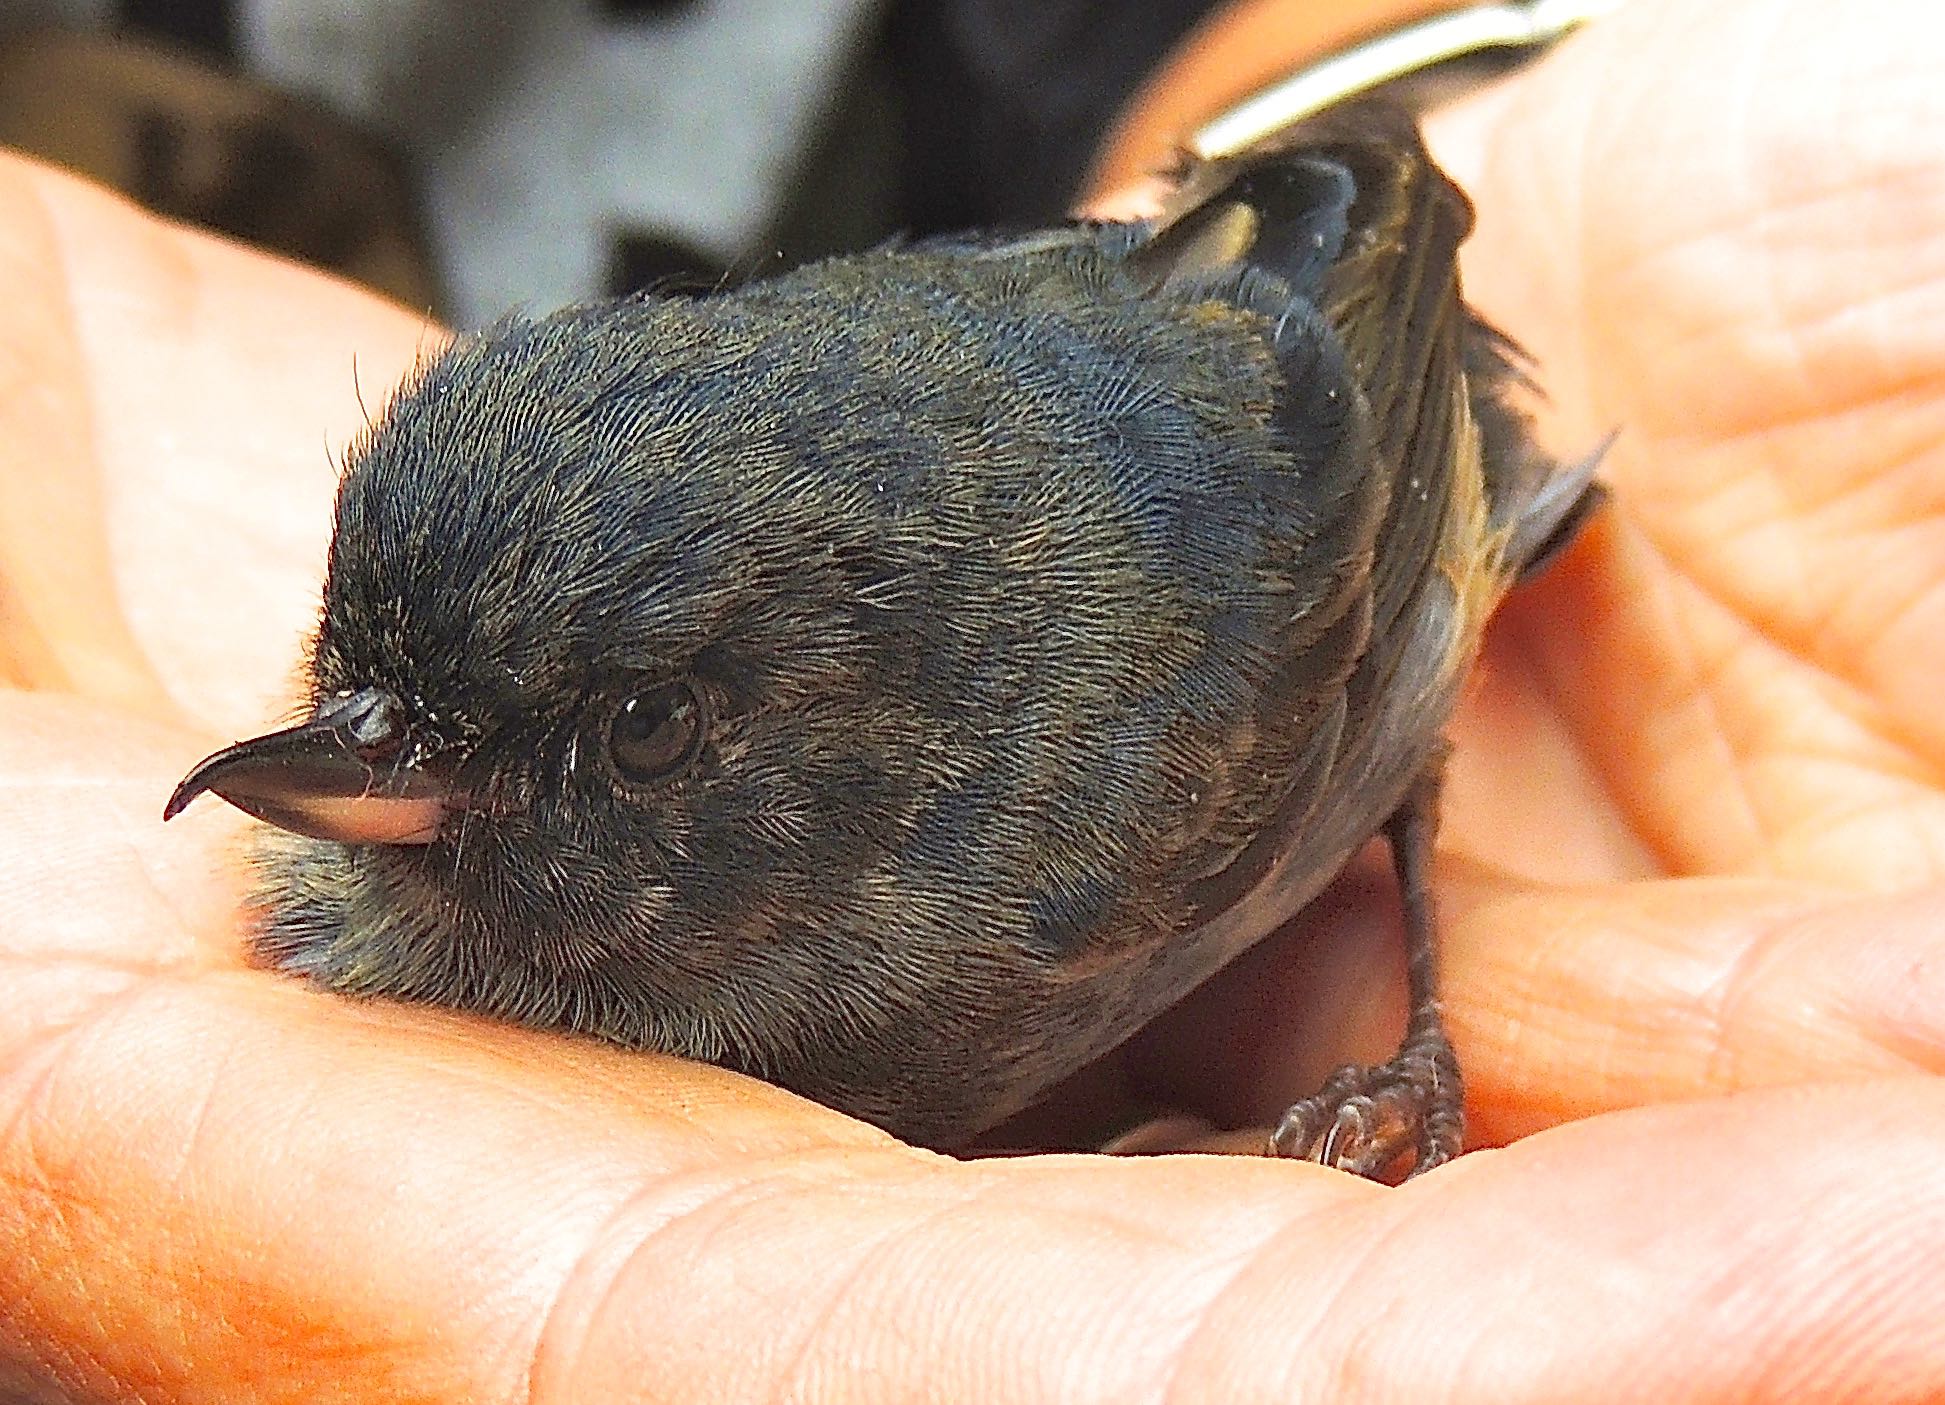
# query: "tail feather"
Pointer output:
{"type": "Point", "coordinates": [1536, 499]}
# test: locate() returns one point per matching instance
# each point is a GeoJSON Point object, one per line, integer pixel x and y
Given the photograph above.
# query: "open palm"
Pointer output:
{"type": "Point", "coordinates": [1695, 846]}
{"type": "Point", "coordinates": [1696, 818]}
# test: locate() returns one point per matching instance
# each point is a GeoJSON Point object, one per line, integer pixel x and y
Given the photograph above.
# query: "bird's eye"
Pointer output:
{"type": "Point", "coordinates": [657, 733]}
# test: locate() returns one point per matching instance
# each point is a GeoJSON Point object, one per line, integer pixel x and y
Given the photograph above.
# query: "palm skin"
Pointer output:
{"type": "Point", "coordinates": [1694, 847]}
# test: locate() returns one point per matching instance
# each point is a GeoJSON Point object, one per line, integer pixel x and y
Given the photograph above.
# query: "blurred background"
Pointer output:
{"type": "Point", "coordinates": [470, 158]}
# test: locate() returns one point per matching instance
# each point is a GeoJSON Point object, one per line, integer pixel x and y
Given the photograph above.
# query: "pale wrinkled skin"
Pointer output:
{"type": "Point", "coordinates": [1695, 849]}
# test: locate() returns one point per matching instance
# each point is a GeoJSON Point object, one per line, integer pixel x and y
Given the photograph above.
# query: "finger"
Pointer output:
{"type": "Point", "coordinates": [1565, 1003]}
{"type": "Point", "coordinates": [192, 402]}
{"type": "Point", "coordinates": [60, 622]}
{"type": "Point", "coordinates": [1577, 1002]}
{"type": "Point", "coordinates": [89, 876]}
{"type": "Point", "coordinates": [387, 1213]}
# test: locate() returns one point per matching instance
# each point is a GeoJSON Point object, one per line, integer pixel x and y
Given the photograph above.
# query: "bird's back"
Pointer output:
{"type": "Point", "coordinates": [1407, 496]}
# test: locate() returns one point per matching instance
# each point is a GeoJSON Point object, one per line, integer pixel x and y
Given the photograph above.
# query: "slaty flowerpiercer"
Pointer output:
{"type": "Point", "coordinates": [902, 678]}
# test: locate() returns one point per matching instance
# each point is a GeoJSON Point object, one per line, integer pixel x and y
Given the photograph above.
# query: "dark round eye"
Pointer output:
{"type": "Point", "coordinates": [657, 733]}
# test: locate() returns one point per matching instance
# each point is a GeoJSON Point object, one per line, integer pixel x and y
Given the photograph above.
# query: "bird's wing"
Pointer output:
{"type": "Point", "coordinates": [1435, 498]}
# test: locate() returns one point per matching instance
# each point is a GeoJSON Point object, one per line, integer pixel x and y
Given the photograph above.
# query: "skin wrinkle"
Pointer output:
{"type": "Point", "coordinates": [810, 1345]}
{"type": "Point", "coordinates": [1770, 488]}
{"type": "Point", "coordinates": [997, 1182]}
{"type": "Point", "coordinates": [815, 1326]}
{"type": "Point", "coordinates": [1197, 1319]}
{"type": "Point", "coordinates": [1884, 1290]}
{"type": "Point", "coordinates": [1546, 940]}
{"type": "Point", "coordinates": [1906, 1033]}
{"type": "Point", "coordinates": [1754, 1006]}
{"type": "Point", "coordinates": [1174, 1382]}
{"type": "Point", "coordinates": [143, 865]}
{"type": "Point", "coordinates": [1691, 1025]}
{"type": "Point", "coordinates": [1854, 315]}
{"type": "Point", "coordinates": [1741, 231]}
{"type": "Point", "coordinates": [551, 1324]}
{"type": "Point", "coordinates": [1856, 504]}
{"type": "Point", "coordinates": [1708, 689]}
{"type": "Point", "coordinates": [1899, 1019]}
{"type": "Point", "coordinates": [1921, 599]}
{"type": "Point", "coordinates": [310, 1343]}
{"type": "Point", "coordinates": [1775, 1242]}
{"type": "Point", "coordinates": [112, 847]}
{"type": "Point", "coordinates": [1366, 1337]}
{"type": "Point", "coordinates": [1839, 693]}
{"type": "Point", "coordinates": [1201, 1324]}
{"type": "Point", "coordinates": [1344, 1304]}
{"type": "Point", "coordinates": [183, 958]}
{"type": "Point", "coordinates": [1870, 507]}
{"type": "Point", "coordinates": [1874, 817]}
{"type": "Point", "coordinates": [600, 1251]}
{"type": "Point", "coordinates": [1154, 1345]}
{"type": "Point", "coordinates": [1918, 393]}
{"type": "Point", "coordinates": [1202, 1261]}
{"type": "Point", "coordinates": [787, 1377]}
{"type": "Point", "coordinates": [1802, 646]}
{"type": "Point", "coordinates": [1343, 1298]}
{"type": "Point", "coordinates": [1597, 1038]}
{"type": "Point", "coordinates": [1740, 1282]}
{"type": "Point", "coordinates": [53, 1051]}
{"type": "Point", "coordinates": [1729, 1001]}
{"type": "Point", "coordinates": [1688, 672]}
{"type": "Point", "coordinates": [331, 1350]}
{"type": "Point", "coordinates": [49, 1046]}
{"type": "Point", "coordinates": [1522, 1035]}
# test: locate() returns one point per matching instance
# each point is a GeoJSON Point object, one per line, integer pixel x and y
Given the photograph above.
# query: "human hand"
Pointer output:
{"type": "Point", "coordinates": [1695, 820]}
{"type": "Point", "coordinates": [215, 1184]}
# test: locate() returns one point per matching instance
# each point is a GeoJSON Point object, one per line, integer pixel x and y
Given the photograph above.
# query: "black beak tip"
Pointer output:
{"type": "Point", "coordinates": [186, 791]}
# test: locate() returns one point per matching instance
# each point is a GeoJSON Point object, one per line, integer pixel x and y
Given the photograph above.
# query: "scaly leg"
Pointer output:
{"type": "Point", "coordinates": [1364, 1118]}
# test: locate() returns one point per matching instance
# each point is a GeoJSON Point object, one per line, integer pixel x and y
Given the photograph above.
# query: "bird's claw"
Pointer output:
{"type": "Point", "coordinates": [1364, 1119]}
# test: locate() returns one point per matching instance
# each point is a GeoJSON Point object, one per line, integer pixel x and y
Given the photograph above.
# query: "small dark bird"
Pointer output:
{"type": "Point", "coordinates": [903, 678]}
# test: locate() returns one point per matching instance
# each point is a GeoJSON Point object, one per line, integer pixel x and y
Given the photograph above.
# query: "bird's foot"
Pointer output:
{"type": "Point", "coordinates": [1365, 1118]}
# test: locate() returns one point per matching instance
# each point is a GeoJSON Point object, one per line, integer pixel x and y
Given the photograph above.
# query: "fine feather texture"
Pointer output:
{"type": "Point", "coordinates": [1065, 608]}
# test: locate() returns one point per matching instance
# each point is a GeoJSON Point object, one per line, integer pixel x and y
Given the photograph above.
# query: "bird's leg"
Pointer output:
{"type": "Point", "coordinates": [1364, 1118]}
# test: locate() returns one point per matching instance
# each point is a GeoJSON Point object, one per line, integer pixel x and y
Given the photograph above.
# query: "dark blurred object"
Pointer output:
{"type": "Point", "coordinates": [646, 260]}
{"type": "Point", "coordinates": [560, 151]}
{"type": "Point", "coordinates": [207, 26]}
{"type": "Point", "coordinates": [1005, 101]}
{"type": "Point", "coordinates": [191, 142]}
{"type": "Point", "coordinates": [845, 193]}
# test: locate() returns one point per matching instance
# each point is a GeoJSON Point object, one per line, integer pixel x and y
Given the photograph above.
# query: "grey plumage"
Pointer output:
{"type": "Point", "coordinates": [1055, 614]}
